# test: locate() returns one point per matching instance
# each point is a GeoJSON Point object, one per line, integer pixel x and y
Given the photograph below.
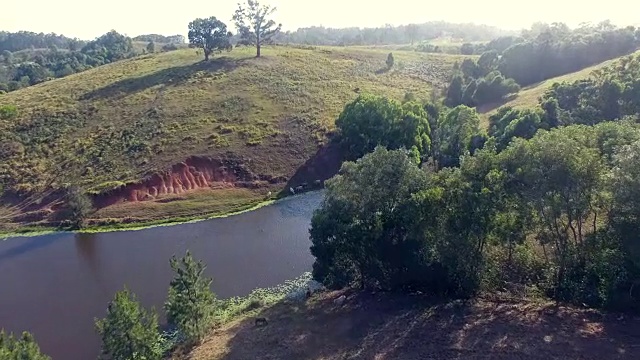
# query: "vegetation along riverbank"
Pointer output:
{"type": "Point", "coordinates": [480, 197]}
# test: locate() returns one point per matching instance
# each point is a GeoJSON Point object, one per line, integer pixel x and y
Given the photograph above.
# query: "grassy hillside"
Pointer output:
{"type": "Point", "coordinates": [528, 96]}
{"type": "Point", "coordinates": [391, 326]}
{"type": "Point", "coordinates": [121, 122]}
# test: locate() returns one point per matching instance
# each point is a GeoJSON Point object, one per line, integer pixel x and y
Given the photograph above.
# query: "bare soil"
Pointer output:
{"type": "Point", "coordinates": [386, 326]}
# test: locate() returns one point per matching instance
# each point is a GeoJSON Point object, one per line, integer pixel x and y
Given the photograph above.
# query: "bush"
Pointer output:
{"type": "Point", "coordinates": [370, 121]}
{"type": "Point", "coordinates": [390, 61]}
{"type": "Point", "coordinates": [23, 348]}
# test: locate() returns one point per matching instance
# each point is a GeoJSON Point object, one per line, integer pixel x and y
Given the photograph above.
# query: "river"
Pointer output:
{"type": "Point", "coordinates": [56, 285]}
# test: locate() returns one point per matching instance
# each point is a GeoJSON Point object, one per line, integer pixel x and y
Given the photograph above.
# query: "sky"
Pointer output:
{"type": "Point", "coordinates": [87, 19]}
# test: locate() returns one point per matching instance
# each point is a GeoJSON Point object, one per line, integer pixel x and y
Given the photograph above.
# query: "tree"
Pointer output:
{"type": "Point", "coordinates": [23, 348]}
{"type": "Point", "coordinates": [79, 206]}
{"type": "Point", "coordinates": [390, 60]}
{"type": "Point", "coordinates": [7, 56]}
{"type": "Point", "coordinates": [190, 302]}
{"type": "Point", "coordinates": [210, 35]}
{"type": "Point", "coordinates": [454, 92]}
{"type": "Point", "coordinates": [253, 24]}
{"type": "Point", "coordinates": [129, 332]}
{"type": "Point", "coordinates": [151, 47]}
{"type": "Point", "coordinates": [466, 49]}
{"type": "Point", "coordinates": [362, 234]}
{"type": "Point", "coordinates": [456, 133]}
{"type": "Point", "coordinates": [412, 31]}
{"type": "Point", "coordinates": [370, 121]}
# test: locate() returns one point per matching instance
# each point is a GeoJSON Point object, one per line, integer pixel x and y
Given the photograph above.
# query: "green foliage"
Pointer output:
{"type": "Point", "coordinates": [370, 121]}
{"type": "Point", "coordinates": [457, 134]}
{"type": "Point", "coordinates": [611, 93]}
{"type": "Point", "coordinates": [29, 67]}
{"type": "Point", "coordinates": [23, 348]}
{"type": "Point", "coordinates": [151, 47]}
{"type": "Point", "coordinates": [79, 206]}
{"type": "Point", "coordinates": [253, 24]}
{"type": "Point", "coordinates": [129, 332]}
{"type": "Point", "coordinates": [554, 214]}
{"type": "Point", "coordinates": [363, 232]}
{"type": "Point", "coordinates": [390, 61]}
{"type": "Point", "coordinates": [455, 91]}
{"type": "Point", "coordinates": [8, 112]}
{"type": "Point", "coordinates": [467, 49]}
{"type": "Point", "coordinates": [551, 50]}
{"type": "Point", "coordinates": [190, 303]}
{"type": "Point", "coordinates": [404, 34]}
{"type": "Point", "coordinates": [210, 35]}
{"type": "Point", "coordinates": [479, 83]}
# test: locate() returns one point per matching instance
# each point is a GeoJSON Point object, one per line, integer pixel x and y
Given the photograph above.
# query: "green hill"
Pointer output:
{"type": "Point", "coordinates": [528, 96]}
{"type": "Point", "coordinates": [237, 124]}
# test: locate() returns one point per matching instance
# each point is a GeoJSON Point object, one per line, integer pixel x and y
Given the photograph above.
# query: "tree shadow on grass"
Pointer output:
{"type": "Point", "coordinates": [169, 77]}
{"type": "Point", "coordinates": [483, 109]}
{"type": "Point", "coordinates": [386, 326]}
{"type": "Point", "coordinates": [383, 70]}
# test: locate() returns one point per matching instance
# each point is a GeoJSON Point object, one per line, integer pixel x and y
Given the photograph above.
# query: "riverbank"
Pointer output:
{"type": "Point", "coordinates": [109, 224]}
{"type": "Point", "coordinates": [392, 326]}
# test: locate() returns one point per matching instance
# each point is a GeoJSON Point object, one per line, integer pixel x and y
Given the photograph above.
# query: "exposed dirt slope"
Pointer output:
{"type": "Point", "coordinates": [122, 123]}
{"type": "Point", "coordinates": [404, 327]}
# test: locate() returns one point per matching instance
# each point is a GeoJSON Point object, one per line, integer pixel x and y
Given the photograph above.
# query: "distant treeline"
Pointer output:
{"type": "Point", "coordinates": [173, 39]}
{"type": "Point", "coordinates": [404, 34]}
{"type": "Point", "coordinates": [543, 52]}
{"type": "Point", "coordinates": [28, 58]}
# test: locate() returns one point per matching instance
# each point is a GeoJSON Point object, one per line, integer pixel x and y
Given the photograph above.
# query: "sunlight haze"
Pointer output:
{"type": "Point", "coordinates": [87, 20]}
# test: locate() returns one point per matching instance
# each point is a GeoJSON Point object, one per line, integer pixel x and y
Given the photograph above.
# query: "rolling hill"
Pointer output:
{"type": "Point", "coordinates": [168, 135]}
{"type": "Point", "coordinates": [528, 96]}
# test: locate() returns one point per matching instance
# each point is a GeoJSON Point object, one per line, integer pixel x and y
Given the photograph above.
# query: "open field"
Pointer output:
{"type": "Point", "coordinates": [120, 123]}
{"type": "Point", "coordinates": [387, 326]}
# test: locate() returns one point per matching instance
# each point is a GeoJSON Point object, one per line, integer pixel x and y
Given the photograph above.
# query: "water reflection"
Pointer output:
{"type": "Point", "coordinates": [86, 247]}
{"type": "Point", "coordinates": [55, 285]}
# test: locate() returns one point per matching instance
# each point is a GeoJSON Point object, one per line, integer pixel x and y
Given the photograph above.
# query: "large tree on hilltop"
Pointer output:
{"type": "Point", "coordinates": [210, 35]}
{"type": "Point", "coordinates": [253, 24]}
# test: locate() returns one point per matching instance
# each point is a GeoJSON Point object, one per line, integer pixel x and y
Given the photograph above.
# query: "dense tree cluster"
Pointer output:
{"type": "Point", "coordinates": [173, 39]}
{"type": "Point", "coordinates": [29, 67]}
{"type": "Point", "coordinates": [25, 40]}
{"type": "Point", "coordinates": [405, 34]}
{"type": "Point", "coordinates": [370, 121]}
{"type": "Point", "coordinates": [19, 348]}
{"type": "Point", "coordinates": [544, 213]}
{"type": "Point", "coordinates": [547, 51]}
{"type": "Point", "coordinates": [130, 332]}
{"type": "Point", "coordinates": [479, 83]}
{"type": "Point", "coordinates": [545, 201]}
{"type": "Point", "coordinates": [611, 93]}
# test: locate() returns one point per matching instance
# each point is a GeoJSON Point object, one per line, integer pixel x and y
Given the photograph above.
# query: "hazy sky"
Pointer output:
{"type": "Point", "coordinates": [87, 19]}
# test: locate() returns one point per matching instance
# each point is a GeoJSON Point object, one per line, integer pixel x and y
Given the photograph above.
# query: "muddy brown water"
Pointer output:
{"type": "Point", "coordinates": [55, 285]}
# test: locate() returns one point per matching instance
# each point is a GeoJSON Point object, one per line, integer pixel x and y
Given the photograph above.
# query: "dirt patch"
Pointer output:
{"type": "Point", "coordinates": [192, 174]}
{"type": "Point", "coordinates": [403, 327]}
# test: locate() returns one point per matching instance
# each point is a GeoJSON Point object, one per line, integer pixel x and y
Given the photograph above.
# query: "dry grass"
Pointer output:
{"type": "Point", "coordinates": [403, 327]}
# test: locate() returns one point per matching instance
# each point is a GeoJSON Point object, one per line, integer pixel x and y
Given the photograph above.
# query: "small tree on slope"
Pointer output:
{"type": "Point", "coordinates": [210, 35]}
{"type": "Point", "coordinates": [253, 25]}
{"type": "Point", "coordinates": [129, 332]}
{"type": "Point", "coordinates": [190, 302]}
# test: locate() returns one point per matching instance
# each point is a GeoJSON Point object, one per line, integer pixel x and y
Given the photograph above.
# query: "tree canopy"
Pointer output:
{"type": "Point", "coordinates": [129, 331]}
{"type": "Point", "coordinates": [254, 25]}
{"type": "Point", "coordinates": [20, 348]}
{"type": "Point", "coordinates": [190, 302]}
{"type": "Point", "coordinates": [370, 121]}
{"type": "Point", "coordinates": [210, 35]}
